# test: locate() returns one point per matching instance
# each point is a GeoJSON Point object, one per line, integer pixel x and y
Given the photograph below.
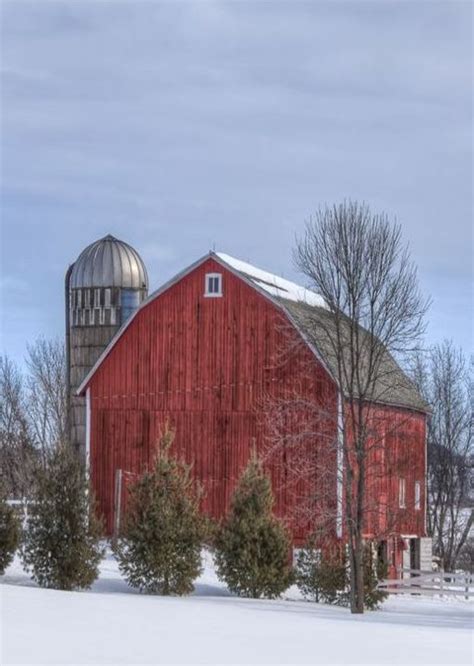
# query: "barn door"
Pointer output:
{"type": "Point", "coordinates": [414, 553]}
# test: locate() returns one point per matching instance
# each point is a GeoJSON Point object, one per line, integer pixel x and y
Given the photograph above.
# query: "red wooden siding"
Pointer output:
{"type": "Point", "coordinates": [209, 365]}
{"type": "Point", "coordinates": [396, 450]}
{"type": "Point", "coordinates": [212, 366]}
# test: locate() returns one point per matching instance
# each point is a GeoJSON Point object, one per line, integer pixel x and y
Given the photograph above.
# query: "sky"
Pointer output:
{"type": "Point", "coordinates": [185, 126]}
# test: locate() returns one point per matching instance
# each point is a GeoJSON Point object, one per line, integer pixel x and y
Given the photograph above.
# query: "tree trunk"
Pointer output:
{"type": "Point", "coordinates": [357, 574]}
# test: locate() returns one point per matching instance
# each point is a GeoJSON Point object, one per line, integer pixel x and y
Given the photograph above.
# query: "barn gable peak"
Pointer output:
{"type": "Point", "coordinates": [275, 288]}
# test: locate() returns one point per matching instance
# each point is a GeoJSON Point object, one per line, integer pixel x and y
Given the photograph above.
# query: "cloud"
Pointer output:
{"type": "Point", "coordinates": [183, 125]}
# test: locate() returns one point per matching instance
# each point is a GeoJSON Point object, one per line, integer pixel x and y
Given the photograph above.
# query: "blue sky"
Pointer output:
{"type": "Point", "coordinates": [179, 126]}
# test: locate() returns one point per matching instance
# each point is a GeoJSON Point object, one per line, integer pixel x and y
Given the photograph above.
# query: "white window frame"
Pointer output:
{"type": "Point", "coordinates": [96, 298]}
{"type": "Point", "coordinates": [417, 495]}
{"type": "Point", "coordinates": [87, 298]}
{"type": "Point", "coordinates": [402, 490]}
{"type": "Point", "coordinates": [113, 317]}
{"type": "Point", "coordinates": [210, 277]}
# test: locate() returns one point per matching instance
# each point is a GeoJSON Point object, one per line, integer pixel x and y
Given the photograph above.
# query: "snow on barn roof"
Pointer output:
{"type": "Point", "coordinates": [274, 285]}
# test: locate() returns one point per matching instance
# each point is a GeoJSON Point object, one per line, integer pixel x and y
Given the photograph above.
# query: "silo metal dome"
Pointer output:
{"type": "Point", "coordinates": [103, 288]}
{"type": "Point", "coordinates": [109, 262]}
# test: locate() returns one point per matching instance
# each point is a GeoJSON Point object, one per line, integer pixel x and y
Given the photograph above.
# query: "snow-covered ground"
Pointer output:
{"type": "Point", "coordinates": [112, 624]}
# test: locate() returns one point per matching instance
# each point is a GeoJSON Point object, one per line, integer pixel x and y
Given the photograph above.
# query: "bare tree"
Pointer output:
{"type": "Point", "coordinates": [445, 379]}
{"type": "Point", "coordinates": [465, 558]}
{"type": "Point", "coordinates": [17, 453]}
{"type": "Point", "coordinates": [356, 261]}
{"type": "Point", "coordinates": [47, 393]}
{"type": "Point", "coordinates": [33, 413]}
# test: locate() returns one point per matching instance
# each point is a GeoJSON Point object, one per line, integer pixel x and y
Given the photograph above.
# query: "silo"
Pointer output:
{"type": "Point", "coordinates": [104, 286]}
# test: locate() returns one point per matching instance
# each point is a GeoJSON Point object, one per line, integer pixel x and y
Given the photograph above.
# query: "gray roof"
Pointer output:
{"type": "Point", "coordinates": [315, 324]}
{"type": "Point", "coordinates": [109, 262]}
{"type": "Point", "coordinates": [392, 386]}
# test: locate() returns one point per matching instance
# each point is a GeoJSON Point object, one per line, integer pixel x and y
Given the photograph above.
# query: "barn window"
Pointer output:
{"type": "Point", "coordinates": [213, 285]}
{"type": "Point", "coordinates": [417, 495]}
{"type": "Point", "coordinates": [96, 298]}
{"type": "Point", "coordinates": [107, 298]}
{"type": "Point", "coordinates": [87, 298]}
{"type": "Point", "coordinates": [401, 493]}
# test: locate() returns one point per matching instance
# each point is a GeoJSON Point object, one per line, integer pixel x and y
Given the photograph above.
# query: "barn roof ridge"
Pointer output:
{"type": "Point", "coordinates": [274, 284]}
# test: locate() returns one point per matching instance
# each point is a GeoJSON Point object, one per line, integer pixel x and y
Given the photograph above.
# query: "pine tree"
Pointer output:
{"type": "Point", "coordinates": [373, 573]}
{"type": "Point", "coordinates": [159, 550]}
{"type": "Point", "coordinates": [322, 574]}
{"type": "Point", "coordinates": [9, 533]}
{"type": "Point", "coordinates": [61, 546]}
{"type": "Point", "coordinates": [253, 546]}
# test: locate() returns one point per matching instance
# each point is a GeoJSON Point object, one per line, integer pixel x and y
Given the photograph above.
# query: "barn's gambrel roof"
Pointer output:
{"type": "Point", "coordinates": [392, 386]}
{"type": "Point", "coordinates": [308, 313]}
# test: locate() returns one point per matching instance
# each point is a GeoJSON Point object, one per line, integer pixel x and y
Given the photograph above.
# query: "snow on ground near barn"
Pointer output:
{"type": "Point", "coordinates": [112, 624]}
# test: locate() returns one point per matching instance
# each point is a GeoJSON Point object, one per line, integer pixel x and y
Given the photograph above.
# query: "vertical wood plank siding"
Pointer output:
{"type": "Point", "coordinates": [209, 365]}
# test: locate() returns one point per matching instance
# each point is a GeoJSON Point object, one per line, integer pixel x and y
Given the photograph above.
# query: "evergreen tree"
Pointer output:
{"type": "Point", "coordinates": [61, 545]}
{"type": "Point", "coordinates": [159, 550]}
{"type": "Point", "coordinates": [9, 533]}
{"type": "Point", "coordinates": [374, 571]}
{"type": "Point", "coordinates": [322, 574]}
{"type": "Point", "coordinates": [252, 546]}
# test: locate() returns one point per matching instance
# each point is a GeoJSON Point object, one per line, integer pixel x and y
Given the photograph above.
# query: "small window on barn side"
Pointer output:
{"type": "Point", "coordinates": [417, 495]}
{"type": "Point", "coordinates": [213, 285]}
{"type": "Point", "coordinates": [107, 298]}
{"type": "Point", "coordinates": [401, 493]}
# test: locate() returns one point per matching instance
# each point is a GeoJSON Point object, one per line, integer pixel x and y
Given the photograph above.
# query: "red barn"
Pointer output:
{"type": "Point", "coordinates": [214, 351]}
